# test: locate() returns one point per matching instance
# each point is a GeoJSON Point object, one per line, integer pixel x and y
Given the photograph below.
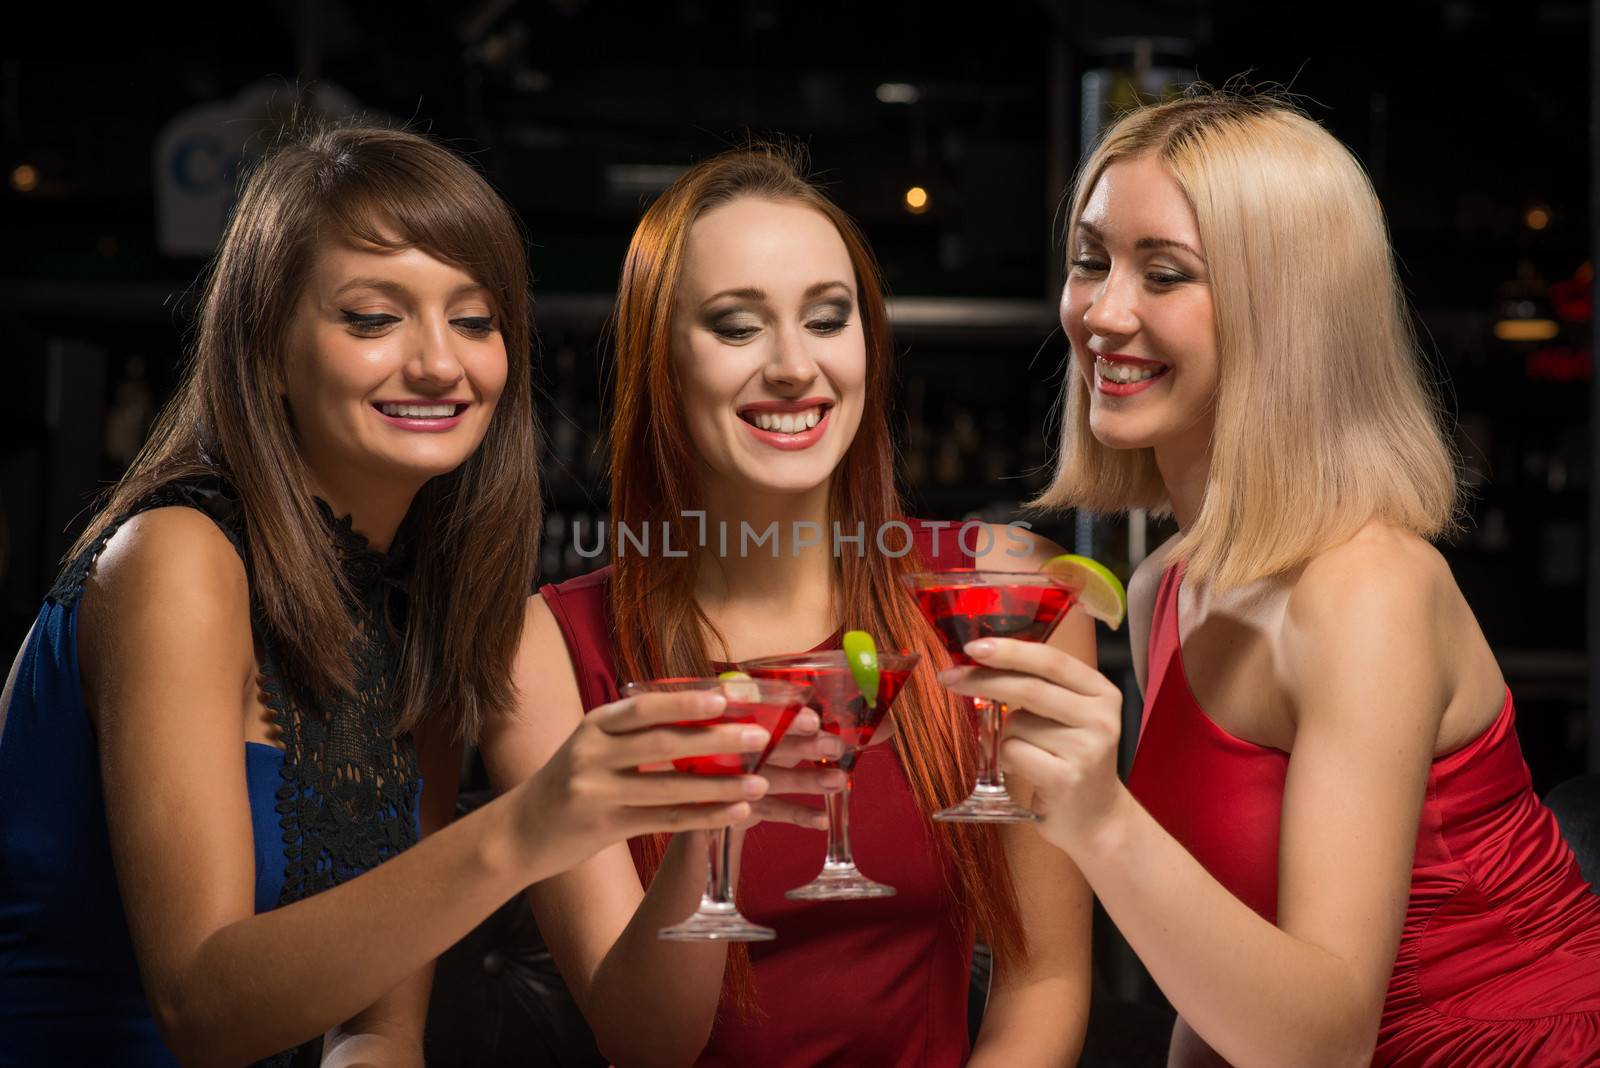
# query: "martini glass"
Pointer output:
{"type": "Point", "coordinates": [765, 703]}
{"type": "Point", "coordinates": [964, 605]}
{"type": "Point", "coordinates": [844, 712]}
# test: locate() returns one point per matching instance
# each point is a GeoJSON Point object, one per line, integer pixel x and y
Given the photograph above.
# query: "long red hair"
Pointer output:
{"type": "Point", "coordinates": [660, 628]}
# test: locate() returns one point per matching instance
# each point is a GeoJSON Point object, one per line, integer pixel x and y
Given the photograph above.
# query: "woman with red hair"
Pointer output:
{"type": "Point", "coordinates": [751, 389]}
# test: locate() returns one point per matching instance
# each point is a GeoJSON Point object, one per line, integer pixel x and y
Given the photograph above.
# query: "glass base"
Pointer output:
{"type": "Point", "coordinates": [716, 923]}
{"type": "Point", "coordinates": [839, 882]}
{"type": "Point", "coordinates": [987, 804]}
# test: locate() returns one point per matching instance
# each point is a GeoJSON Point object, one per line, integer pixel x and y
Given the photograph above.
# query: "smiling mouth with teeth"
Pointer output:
{"type": "Point", "coordinates": [421, 411]}
{"type": "Point", "coordinates": [1124, 373]}
{"type": "Point", "coordinates": [785, 422]}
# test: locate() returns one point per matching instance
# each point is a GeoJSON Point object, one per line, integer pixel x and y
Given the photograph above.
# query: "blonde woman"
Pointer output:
{"type": "Point", "coordinates": [1328, 852]}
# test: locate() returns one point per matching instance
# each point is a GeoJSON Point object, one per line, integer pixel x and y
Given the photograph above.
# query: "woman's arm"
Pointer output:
{"type": "Point", "coordinates": [1360, 660]}
{"type": "Point", "coordinates": [648, 1001]}
{"type": "Point", "coordinates": [1038, 1014]}
{"type": "Point", "coordinates": [165, 650]}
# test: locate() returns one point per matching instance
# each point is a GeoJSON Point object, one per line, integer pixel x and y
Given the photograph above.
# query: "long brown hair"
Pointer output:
{"type": "Point", "coordinates": [660, 627]}
{"type": "Point", "coordinates": [473, 533]}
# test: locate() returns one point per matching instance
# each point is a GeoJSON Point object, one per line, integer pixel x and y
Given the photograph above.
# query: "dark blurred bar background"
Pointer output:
{"type": "Point", "coordinates": [950, 135]}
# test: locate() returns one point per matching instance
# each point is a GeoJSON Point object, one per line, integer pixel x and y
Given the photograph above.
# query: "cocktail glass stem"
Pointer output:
{"type": "Point", "coordinates": [719, 884]}
{"type": "Point", "coordinates": [989, 801]}
{"type": "Point", "coordinates": [839, 878]}
{"type": "Point", "coordinates": [838, 802]}
{"type": "Point", "coordinates": [717, 918]}
{"type": "Point", "coordinates": [989, 716]}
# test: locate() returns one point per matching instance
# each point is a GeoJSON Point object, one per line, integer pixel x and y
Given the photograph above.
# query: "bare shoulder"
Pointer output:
{"type": "Point", "coordinates": [517, 742]}
{"type": "Point", "coordinates": [166, 607]}
{"type": "Point", "coordinates": [544, 675]}
{"type": "Point", "coordinates": [1380, 573]}
{"type": "Point", "coordinates": [1383, 600]}
{"type": "Point", "coordinates": [543, 646]}
{"type": "Point", "coordinates": [169, 562]}
{"type": "Point", "coordinates": [1011, 547]}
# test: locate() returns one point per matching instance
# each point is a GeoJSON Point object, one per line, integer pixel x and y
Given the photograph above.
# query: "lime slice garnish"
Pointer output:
{"type": "Point", "coordinates": [1098, 590]}
{"type": "Point", "coordinates": [750, 694]}
{"type": "Point", "coordinates": [861, 653]}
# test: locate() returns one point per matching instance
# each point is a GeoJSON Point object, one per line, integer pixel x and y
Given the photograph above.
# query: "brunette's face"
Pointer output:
{"type": "Point", "coordinates": [768, 346]}
{"type": "Point", "coordinates": [394, 367]}
{"type": "Point", "coordinates": [1137, 310]}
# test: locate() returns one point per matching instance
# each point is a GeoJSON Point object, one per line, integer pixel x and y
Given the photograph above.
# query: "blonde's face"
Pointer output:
{"type": "Point", "coordinates": [1137, 311]}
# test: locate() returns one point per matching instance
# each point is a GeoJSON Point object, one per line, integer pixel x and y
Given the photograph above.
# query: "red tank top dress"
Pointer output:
{"type": "Point", "coordinates": [880, 982]}
{"type": "Point", "coordinates": [1499, 960]}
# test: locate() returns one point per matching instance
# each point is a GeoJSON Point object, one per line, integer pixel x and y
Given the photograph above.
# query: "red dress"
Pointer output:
{"type": "Point", "coordinates": [1499, 960]}
{"type": "Point", "coordinates": [880, 982]}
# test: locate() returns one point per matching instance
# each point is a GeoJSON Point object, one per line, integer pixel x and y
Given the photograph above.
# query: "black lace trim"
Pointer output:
{"type": "Point", "coordinates": [349, 784]}
{"type": "Point", "coordinates": [366, 568]}
{"type": "Point", "coordinates": [349, 790]}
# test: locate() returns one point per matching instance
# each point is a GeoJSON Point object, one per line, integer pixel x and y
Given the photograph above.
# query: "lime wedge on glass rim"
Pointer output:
{"type": "Point", "coordinates": [750, 694]}
{"type": "Point", "coordinates": [1097, 589]}
{"type": "Point", "coordinates": [861, 653]}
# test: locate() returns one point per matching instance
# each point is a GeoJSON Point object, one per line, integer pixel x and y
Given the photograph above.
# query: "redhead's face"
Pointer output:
{"type": "Point", "coordinates": [395, 365]}
{"type": "Point", "coordinates": [768, 346]}
{"type": "Point", "coordinates": [1137, 310]}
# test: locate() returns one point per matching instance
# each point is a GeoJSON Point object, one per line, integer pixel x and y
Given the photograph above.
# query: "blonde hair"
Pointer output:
{"type": "Point", "coordinates": [1324, 419]}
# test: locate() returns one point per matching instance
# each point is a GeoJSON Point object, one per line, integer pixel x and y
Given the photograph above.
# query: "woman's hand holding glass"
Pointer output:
{"type": "Point", "coordinates": [595, 791]}
{"type": "Point", "coordinates": [1061, 735]}
{"type": "Point", "coordinates": [803, 744]}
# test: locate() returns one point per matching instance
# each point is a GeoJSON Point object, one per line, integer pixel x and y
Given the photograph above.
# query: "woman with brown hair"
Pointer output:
{"type": "Point", "coordinates": [302, 597]}
{"type": "Point", "coordinates": [1328, 851]}
{"type": "Point", "coordinates": [752, 391]}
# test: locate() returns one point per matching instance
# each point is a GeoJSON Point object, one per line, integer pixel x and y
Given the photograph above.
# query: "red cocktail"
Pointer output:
{"type": "Point", "coordinates": [963, 606]}
{"type": "Point", "coordinates": [774, 717]}
{"type": "Point", "coordinates": [963, 612]}
{"type": "Point", "coordinates": [766, 703]}
{"type": "Point", "coordinates": [844, 712]}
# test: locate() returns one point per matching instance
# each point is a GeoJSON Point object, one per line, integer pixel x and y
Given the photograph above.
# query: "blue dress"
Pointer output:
{"type": "Point", "coordinates": [70, 992]}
